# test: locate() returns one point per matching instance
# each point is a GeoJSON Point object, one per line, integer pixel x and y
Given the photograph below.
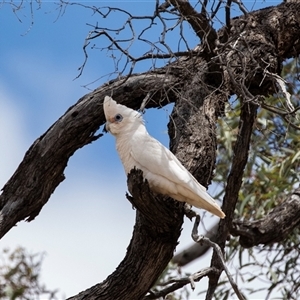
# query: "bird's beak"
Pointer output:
{"type": "Point", "coordinates": [106, 127]}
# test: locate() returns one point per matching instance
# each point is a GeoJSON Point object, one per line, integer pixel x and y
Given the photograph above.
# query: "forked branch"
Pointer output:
{"type": "Point", "coordinates": [217, 251]}
{"type": "Point", "coordinates": [200, 22]}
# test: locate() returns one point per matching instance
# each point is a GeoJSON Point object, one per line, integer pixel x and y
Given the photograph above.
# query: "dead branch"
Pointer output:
{"type": "Point", "coordinates": [195, 250]}
{"type": "Point", "coordinates": [152, 245]}
{"type": "Point", "coordinates": [177, 284]}
{"type": "Point", "coordinates": [200, 23]}
{"type": "Point", "coordinates": [274, 227]}
{"type": "Point", "coordinates": [42, 168]}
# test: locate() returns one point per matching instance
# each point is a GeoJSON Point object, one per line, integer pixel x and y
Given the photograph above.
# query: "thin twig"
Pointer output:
{"type": "Point", "coordinates": [228, 17]}
{"type": "Point", "coordinates": [204, 240]}
{"type": "Point", "coordinates": [241, 6]}
{"type": "Point", "coordinates": [179, 283]}
{"type": "Point", "coordinates": [144, 102]}
{"type": "Point", "coordinates": [200, 23]}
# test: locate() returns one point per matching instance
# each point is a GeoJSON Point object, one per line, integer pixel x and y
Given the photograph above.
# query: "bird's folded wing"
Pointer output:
{"type": "Point", "coordinates": [157, 159]}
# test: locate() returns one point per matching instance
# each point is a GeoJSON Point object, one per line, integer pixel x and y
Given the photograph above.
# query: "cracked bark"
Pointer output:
{"type": "Point", "coordinates": [274, 227]}
{"type": "Point", "coordinates": [272, 35]}
{"type": "Point", "coordinates": [152, 245]}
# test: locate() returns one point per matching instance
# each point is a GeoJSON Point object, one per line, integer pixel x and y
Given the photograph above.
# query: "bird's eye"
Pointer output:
{"type": "Point", "coordinates": [118, 118]}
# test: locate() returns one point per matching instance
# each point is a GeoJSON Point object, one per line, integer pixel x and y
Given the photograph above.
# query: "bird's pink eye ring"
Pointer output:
{"type": "Point", "coordinates": [118, 118]}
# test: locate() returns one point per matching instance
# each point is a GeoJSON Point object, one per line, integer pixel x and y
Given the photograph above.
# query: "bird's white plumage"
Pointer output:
{"type": "Point", "coordinates": [164, 172]}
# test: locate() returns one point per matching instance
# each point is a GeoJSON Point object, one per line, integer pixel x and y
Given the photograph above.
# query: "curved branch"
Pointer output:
{"type": "Point", "coordinates": [152, 245]}
{"type": "Point", "coordinates": [195, 250]}
{"type": "Point", "coordinates": [274, 227]}
{"type": "Point", "coordinates": [218, 252]}
{"type": "Point", "coordinates": [42, 168]}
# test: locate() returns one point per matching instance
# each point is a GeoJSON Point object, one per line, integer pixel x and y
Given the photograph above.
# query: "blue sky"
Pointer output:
{"type": "Point", "coordinates": [87, 223]}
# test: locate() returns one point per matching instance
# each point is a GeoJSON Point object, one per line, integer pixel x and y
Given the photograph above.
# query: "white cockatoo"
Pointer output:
{"type": "Point", "coordinates": [163, 171]}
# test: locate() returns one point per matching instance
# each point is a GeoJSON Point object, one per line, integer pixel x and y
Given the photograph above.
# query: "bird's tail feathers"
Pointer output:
{"type": "Point", "coordinates": [201, 199]}
{"type": "Point", "coordinates": [212, 207]}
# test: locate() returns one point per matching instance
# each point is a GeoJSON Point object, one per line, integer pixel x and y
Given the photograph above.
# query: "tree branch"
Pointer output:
{"type": "Point", "coordinates": [195, 250]}
{"type": "Point", "coordinates": [274, 227]}
{"type": "Point", "coordinates": [42, 168]}
{"type": "Point", "coordinates": [217, 251]}
{"type": "Point", "coordinates": [151, 248]}
{"type": "Point", "coordinates": [234, 181]}
{"type": "Point", "coordinates": [200, 24]}
{"type": "Point", "coordinates": [179, 283]}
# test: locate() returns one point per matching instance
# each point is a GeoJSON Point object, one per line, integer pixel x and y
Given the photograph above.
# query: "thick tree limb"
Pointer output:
{"type": "Point", "coordinates": [192, 126]}
{"type": "Point", "coordinates": [274, 227]}
{"type": "Point", "coordinates": [259, 41]}
{"type": "Point", "coordinates": [151, 248]}
{"type": "Point", "coordinates": [42, 168]}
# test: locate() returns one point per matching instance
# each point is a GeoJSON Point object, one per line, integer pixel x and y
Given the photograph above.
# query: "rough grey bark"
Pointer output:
{"type": "Point", "coordinates": [152, 245]}
{"type": "Point", "coordinates": [199, 86]}
{"type": "Point", "coordinates": [42, 168]}
{"type": "Point", "coordinates": [274, 227]}
{"type": "Point", "coordinates": [192, 128]}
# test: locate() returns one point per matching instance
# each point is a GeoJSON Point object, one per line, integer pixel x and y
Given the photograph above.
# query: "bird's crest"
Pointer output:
{"type": "Point", "coordinates": [120, 118]}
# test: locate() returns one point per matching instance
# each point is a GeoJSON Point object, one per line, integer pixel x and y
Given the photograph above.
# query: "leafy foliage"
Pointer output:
{"type": "Point", "coordinates": [271, 173]}
{"type": "Point", "coordinates": [20, 273]}
{"type": "Point", "coordinates": [272, 170]}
